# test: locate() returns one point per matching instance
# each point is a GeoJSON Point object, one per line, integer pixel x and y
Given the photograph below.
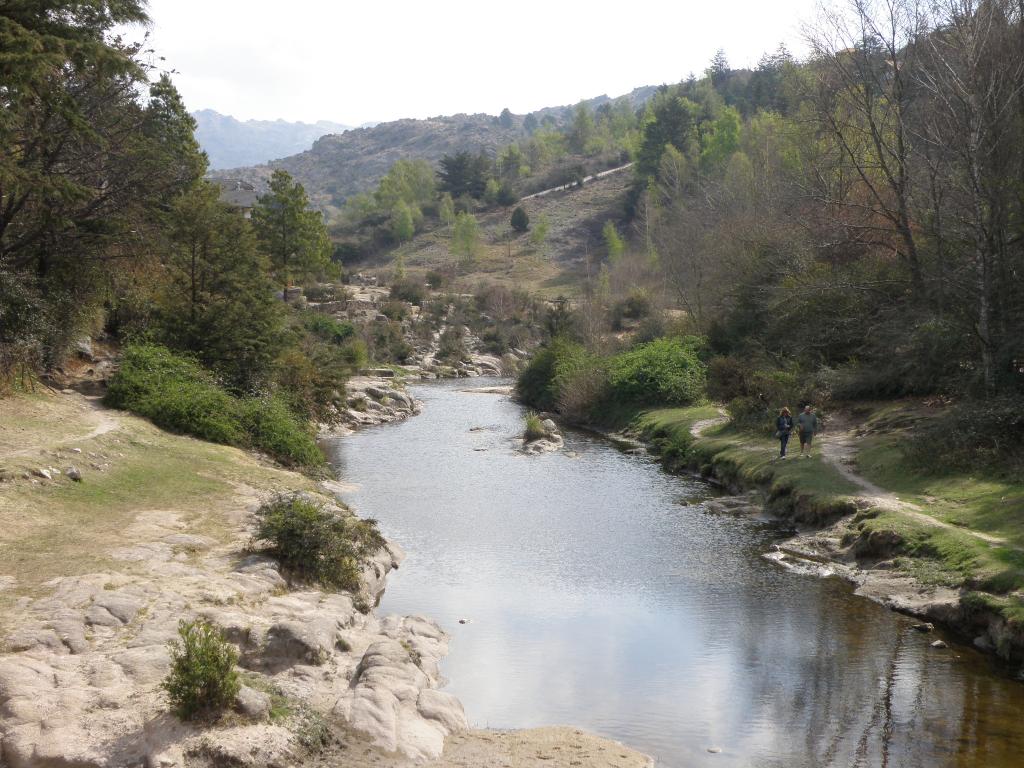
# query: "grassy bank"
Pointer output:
{"type": "Point", "coordinates": [809, 490]}
{"type": "Point", "coordinates": [133, 475]}
{"type": "Point", "coordinates": [959, 530]}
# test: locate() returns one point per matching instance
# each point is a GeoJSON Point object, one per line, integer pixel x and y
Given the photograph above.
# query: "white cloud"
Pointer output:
{"type": "Point", "coordinates": [360, 61]}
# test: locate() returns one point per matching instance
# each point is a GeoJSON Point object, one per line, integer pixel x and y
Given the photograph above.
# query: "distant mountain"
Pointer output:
{"type": "Point", "coordinates": [230, 143]}
{"type": "Point", "coordinates": [340, 165]}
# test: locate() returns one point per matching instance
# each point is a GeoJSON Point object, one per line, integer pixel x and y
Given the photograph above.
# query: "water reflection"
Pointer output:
{"type": "Point", "coordinates": [595, 598]}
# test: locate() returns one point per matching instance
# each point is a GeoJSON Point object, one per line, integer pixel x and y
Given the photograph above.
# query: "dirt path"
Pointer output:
{"type": "Point", "coordinates": [839, 448]}
{"type": "Point", "coordinates": [586, 180]}
{"type": "Point", "coordinates": [698, 428]}
{"type": "Point", "coordinates": [30, 441]}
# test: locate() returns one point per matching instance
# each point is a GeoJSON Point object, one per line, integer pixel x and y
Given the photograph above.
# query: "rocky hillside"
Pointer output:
{"type": "Point", "coordinates": [343, 164]}
{"type": "Point", "coordinates": [230, 143]}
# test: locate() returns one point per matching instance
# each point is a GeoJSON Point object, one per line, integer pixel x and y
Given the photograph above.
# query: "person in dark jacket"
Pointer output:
{"type": "Point", "coordinates": [783, 429]}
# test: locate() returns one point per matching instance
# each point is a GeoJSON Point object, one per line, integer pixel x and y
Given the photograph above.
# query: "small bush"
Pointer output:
{"type": "Point", "coordinates": [327, 329]}
{"type": "Point", "coordinates": [634, 307]}
{"type": "Point", "coordinates": [273, 429]}
{"type": "Point", "coordinates": [408, 289]}
{"type": "Point", "coordinates": [451, 347]}
{"type": "Point", "coordinates": [437, 279]}
{"type": "Point", "coordinates": [536, 384]}
{"type": "Point", "coordinates": [203, 679]}
{"type": "Point", "coordinates": [520, 220]}
{"type": "Point", "coordinates": [580, 383]}
{"type": "Point", "coordinates": [389, 344]}
{"type": "Point", "coordinates": [666, 371]}
{"type": "Point", "coordinates": [314, 543]}
{"type": "Point", "coordinates": [534, 428]}
{"type": "Point", "coordinates": [324, 292]}
{"type": "Point", "coordinates": [394, 310]}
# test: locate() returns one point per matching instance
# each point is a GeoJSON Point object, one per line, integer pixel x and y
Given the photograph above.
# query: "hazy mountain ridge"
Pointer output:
{"type": "Point", "coordinates": [230, 143]}
{"type": "Point", "coordinates": [340, 165]}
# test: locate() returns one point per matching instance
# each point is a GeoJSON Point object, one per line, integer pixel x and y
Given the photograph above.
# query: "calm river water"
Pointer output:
{"type": "Point", "coordinates": [600, 593]}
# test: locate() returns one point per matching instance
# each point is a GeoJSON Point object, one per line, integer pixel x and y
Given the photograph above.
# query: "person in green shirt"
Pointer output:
{"type": "Point", "coordinates": [807, 425]}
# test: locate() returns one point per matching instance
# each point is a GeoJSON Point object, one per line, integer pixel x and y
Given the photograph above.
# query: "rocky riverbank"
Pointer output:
{"type": "Point", "coordinates": [96, 573]}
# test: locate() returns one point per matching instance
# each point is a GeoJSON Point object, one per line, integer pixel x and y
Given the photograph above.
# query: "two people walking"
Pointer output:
{"type": "Point", "coordinates": [806, 425]}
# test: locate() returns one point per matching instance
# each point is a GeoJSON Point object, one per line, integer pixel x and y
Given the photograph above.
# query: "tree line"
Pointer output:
{"type": "Point", "coordinates": [107, 225]}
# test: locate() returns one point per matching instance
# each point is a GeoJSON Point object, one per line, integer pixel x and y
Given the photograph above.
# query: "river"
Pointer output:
{"type": "Point", "coordinates": [598, 592]}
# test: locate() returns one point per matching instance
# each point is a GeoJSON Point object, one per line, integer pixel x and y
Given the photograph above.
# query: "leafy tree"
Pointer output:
{"type": "Point", "coordinates": [506, 118]}
{"type": "Point", "coordinates": [612, 242]}
{"type": "Point", "coordinates": [446, 210]}
{"type": "Point", "coordinates": [520, 221]}
{"type": "Point", "coordinates": [530, 123]}
{"type": "Point", "coordinates": [402, 225]}
{"type": "Point", "coordinates": [581, 131]}
{"type": "Point", "coordinates": [412, 182]}
{"type": "Point", "coordinates": [540, 231]}
{"type": "Point", "coordinates": [466, 245]}
{"type": "Point", "coordinates": [293, 235]}
{"type": "Point", "coordinates": [722, 141]}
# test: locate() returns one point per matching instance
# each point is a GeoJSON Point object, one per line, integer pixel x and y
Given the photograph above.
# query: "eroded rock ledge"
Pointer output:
{"type": "Point", "coordinates": [79, 684]}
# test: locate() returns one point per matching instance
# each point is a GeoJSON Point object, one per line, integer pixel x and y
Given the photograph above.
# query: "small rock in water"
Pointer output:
{"type": "Point", "coordinates": [714, 750]}
{"type": "Point", "coordinates": [939, 644]}
{"type": "Point", "coordinates": [463, 621]}
{"type": "Point", "coordinates": [925, 627]}
{"type": "Point", "coordinates": [74, 473]}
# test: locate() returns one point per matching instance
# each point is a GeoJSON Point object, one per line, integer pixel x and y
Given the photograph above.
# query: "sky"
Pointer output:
{"type": "Point", "coordinates": [376, 60]}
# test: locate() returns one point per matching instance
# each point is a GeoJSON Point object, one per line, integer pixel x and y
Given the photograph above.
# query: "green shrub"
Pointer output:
{"type": "Point", "coordinates": [389, 344]}
{"type": "Point", "coordinates": [314, 543]}
{"type": "Point", "coordinates": [177, 394]}
{"type": "Point", "coordinates": [203, 679]}
{"type": "Point", "coordinates": [520, 221]}
{"type": "Point", "coordinates": [636, 306]}
{"type": "Point", "coordinates": [323, 292]}
{"type": "Point", "coordinates": [666, 371]}
{"type": "Point", "coordinates": [451, 347]}
{"type": "Point", "coordinates": [536, 384]}
{"type": "Point", "coordinates": [394, 310]}
{"type": "Point", "coordinates": [408, 289]}
{"type": "Point", "coordinates": [758, 395]}
{"type": "Point", "coordinates": [565, 377]}
{"type": "Point", "coordinates": [273, 429]}
{"type": "Point", "coordinates": [580, 382]}
{"type": "Point", "coordinates": [437, 279]}
{"type": "Point", "coordinates": [327, 329]}
{"type": "Point", "coordinates": [534, 428]}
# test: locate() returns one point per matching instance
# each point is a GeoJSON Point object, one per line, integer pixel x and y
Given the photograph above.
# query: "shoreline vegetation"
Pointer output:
{"type": "Point", "coordinates": [944, 547]}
